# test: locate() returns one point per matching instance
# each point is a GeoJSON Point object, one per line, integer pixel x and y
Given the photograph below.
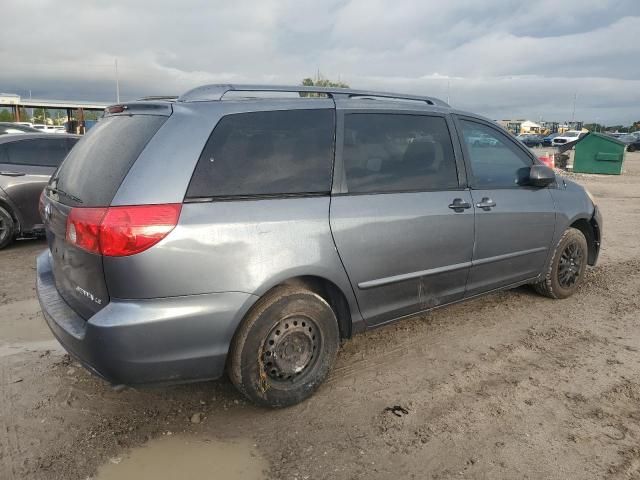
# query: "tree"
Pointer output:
{"type": "Point", "coordinates": [593, 127]}
{"type": "Point", "coordinates": [6, 115]}
{"type": "Point", "coordinates": [320, 82]}
{"type": "Point", "coordinates": [323, 82]}
{"type": "Point", "coordinates": [92, 115]}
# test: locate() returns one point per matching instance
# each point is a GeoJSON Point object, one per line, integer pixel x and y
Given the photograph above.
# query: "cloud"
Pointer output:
{"type": "Point", "coordinates": [500, 58]}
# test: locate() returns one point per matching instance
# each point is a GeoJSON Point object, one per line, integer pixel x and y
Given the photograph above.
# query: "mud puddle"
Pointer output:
{"type": "Point", "coordinates": [187, 458]}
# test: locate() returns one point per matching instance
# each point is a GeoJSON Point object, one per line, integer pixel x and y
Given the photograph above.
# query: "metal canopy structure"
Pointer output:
{"type": "Point", "coordinates": [15, 103]}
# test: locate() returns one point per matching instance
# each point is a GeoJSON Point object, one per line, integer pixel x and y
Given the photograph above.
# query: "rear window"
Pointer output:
{"type": "Point", "coordinates": [41, 152]}
{"type": "Point", "coordinates": [267, 154]}
{"type": "Point", "coordinates": [93, 171]}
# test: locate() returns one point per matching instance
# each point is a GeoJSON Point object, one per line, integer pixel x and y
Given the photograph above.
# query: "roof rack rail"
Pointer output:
{"type": "Point", "coordinates": [217, 91]}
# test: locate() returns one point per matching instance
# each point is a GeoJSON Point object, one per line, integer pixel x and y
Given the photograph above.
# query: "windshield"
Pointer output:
{"type": "Point", "coordinates": [571, 134]}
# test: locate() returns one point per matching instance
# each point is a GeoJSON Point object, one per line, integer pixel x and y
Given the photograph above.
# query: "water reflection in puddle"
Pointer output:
{"type": "Point", "coordinates": [170, 458]}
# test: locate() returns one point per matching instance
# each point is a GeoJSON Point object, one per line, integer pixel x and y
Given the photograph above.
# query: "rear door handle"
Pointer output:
{"type": "Point", "coordinates": [458, 205]}
{"type": "Point", "coordinates": [12, 174]}
{"type": "Point", "coordinates": [486, 204]}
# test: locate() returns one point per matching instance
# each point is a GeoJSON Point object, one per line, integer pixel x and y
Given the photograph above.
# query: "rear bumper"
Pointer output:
{"type": "Point", "coordinates": [150, 341]}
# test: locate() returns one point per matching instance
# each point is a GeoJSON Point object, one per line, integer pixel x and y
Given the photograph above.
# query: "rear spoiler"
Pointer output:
{"type": "Point", "coordinates": [144, 107]}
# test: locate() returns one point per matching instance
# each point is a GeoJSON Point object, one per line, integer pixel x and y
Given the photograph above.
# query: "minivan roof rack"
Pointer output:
{"type": "Point", "coordinates": [217, 91]}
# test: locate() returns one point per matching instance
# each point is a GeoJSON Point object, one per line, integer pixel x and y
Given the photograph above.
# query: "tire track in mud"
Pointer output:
{"type": "Point", "coordinates": [413, 341]}
{"type": "Point", "coordinates": [537, 368]}
{"type": "Point", "coordinates": [9, 442]}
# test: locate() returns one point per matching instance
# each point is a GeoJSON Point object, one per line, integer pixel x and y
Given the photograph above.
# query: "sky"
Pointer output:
{"type": "Point", "coordinates": [501, 58]}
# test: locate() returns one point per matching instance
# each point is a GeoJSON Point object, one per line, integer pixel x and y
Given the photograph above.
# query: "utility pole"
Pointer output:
{"type": "Point", "coordinates": [117, 83]}
{"type": "Point", "coordinates": [448, 90]}
{"type": "Point", "coordinates": [573, 113]}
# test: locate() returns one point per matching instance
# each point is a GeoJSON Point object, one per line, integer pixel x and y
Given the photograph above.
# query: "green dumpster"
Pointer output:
{"type": "Point", "coordinates": [597, 153]}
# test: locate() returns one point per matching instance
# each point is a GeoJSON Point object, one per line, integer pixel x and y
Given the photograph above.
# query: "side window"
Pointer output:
{"type": "Point", "coordinates": [495, 161]}
{"type": "Point", "coordinates": [267, 153]}
{"type": "Point", "coordinates": [393, 153]}
{"type": "Point", "coordinates": [3, 154]}
{"type": "Point", "coordinates": [39, 152]}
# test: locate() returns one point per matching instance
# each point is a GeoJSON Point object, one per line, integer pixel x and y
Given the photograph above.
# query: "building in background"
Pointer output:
{"type": "Point", "coordinates": [518, 127]}
{"type": "Point", "coordinates": [9, 99]}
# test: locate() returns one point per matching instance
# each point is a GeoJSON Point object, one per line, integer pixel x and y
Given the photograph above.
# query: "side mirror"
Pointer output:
{"type": "Point", "coordinates": [541, 176]}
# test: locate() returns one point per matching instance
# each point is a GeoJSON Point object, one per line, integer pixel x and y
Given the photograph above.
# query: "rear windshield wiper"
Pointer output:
{"type": "Point", "coordinates": [62, 193]}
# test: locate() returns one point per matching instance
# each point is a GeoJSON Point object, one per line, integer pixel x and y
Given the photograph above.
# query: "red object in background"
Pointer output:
{"type": "Point", "coordinates": [548, 160]}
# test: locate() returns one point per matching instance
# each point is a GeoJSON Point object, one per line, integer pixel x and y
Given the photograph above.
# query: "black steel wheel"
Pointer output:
{"type": "Point", "coordinates": [568, 264]}
{"type": "Point", "coordinates": [284, 347]}
{"type": "Point", "coordinates": [7, 228]}
{"type": "Point", "coordinates": [288, 350]}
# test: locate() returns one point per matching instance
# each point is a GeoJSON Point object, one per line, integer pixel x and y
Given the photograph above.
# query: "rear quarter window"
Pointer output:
{"type": "Point", "coordinates": [98, 163]}
{"type": "Point", "coordinates": [267, 154]}
{"type": "Point", "coordinates": [41, 152]}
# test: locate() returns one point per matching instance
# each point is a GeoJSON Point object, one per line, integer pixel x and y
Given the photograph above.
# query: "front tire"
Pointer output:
{"type": "Point", "coordinates": [566, 271]}
{"type": "Point", "coordinates": [284, 347]}
{"type": "Point", "coordinates": [7, 228]}
{"type": "Point", "coordinates": [631, 148]}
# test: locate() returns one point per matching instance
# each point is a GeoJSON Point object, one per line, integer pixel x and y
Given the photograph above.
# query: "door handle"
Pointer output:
{"type": "Point", "coordinates": [486, 204]}
{"type": "Point", "coordinates": [458, 205]}
{"type": "Point", "coordinates": [12, 174]}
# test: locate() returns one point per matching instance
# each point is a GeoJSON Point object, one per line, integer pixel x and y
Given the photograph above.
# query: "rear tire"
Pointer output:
{"type": "Point", "coordinates": [631, 148]}
{"type": "Point", "coordinates": [567, 267]}
{"type": "Point", "coordinates": [7, 228]}
{"type": "Point", "coordinates": [284, 347]}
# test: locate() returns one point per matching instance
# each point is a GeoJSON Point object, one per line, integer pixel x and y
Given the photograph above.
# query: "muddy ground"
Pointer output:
{"type": "Point", "coordinates": [511, 385]}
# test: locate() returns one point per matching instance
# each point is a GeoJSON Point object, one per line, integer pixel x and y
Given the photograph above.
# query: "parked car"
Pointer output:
{"type": "Point", "coordinates": [27, 161]}
{"type": "Point", "coordinates": [252, 234]}
{"type": "Point", "coordinates": [47, 128]}
{"type": "Point", "coordinates": [615, 134]}
{"type": "Point", "coordinates": [567, 137]}
{"type": "Point", "coordinates": [10, 127]}
{"type": "Point", "coordinates": [548, 140]}
{"type": "Point", "coordinates": [530, 139]}
{"type": "Point", "coordinates": [631, 141]}
{"type": "Point", "coordinates": [481, 140]}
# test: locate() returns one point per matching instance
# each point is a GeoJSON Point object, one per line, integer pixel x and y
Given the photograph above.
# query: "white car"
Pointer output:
{"type": "Point", "coordinates": [46, 128]}
{"type": "Point", "coordinates": [566, 137]}
{"type": "Point", "coordinates": [479, 139]}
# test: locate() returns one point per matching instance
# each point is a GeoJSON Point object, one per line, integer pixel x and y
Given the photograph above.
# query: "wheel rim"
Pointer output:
{"type": "Point", "coordinates": [4, 228]}
{"type": "Point", "coordinates": [570, 265]}
{"type": "Point", "coordinates": [291, 349]}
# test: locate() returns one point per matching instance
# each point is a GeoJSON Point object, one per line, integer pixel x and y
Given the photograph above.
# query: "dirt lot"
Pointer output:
{"type": "Point", "coordinates": [508, 386]}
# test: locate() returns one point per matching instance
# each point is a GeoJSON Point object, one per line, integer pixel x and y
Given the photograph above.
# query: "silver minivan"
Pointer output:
{"type": "Point", "coordinates": [251, 228]}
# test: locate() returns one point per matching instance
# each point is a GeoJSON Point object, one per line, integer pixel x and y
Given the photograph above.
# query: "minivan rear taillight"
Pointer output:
{"type": "Point", "coordinates": [121, 231]}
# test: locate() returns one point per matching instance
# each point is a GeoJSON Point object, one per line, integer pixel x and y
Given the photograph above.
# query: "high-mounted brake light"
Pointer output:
{"type": "Point", "coordinates": [116, 108]}
{"type": "Point", "coordinates": [121, 231]}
